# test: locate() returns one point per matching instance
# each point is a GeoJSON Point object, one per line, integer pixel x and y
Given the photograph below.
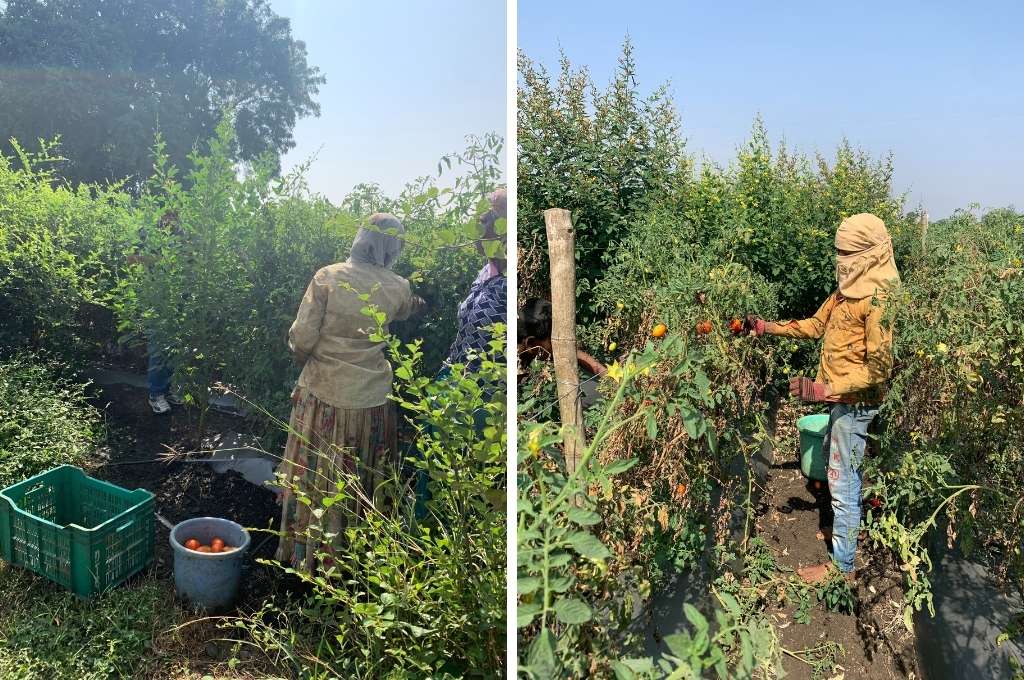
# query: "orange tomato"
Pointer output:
{"type": "Point", "coordinates": [659, 330]}
{"type": "Point", "coordinates": [191, 544]}
{"type": "Point", "coordinates": [217, 545]}
{"type": "Point", "coordinates": [736, 326]}
{"type": "Point", "coordinates": [704, 327]}
{"type": "Point", "coordinates": [680, 490]}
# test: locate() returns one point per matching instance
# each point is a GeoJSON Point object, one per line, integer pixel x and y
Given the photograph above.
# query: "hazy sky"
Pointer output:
{"type": "Point", "coordinates": [940, 84]}
{"type": "Point", "coordinates": [406, 82]}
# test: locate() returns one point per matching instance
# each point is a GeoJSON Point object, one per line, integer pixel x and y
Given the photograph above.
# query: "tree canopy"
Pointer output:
{"type": "Point", "coordinates": [105, 76]}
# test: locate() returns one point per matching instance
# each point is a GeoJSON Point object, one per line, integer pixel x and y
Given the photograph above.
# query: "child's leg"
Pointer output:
{"type": "Point", "coordinates": [848, 429]}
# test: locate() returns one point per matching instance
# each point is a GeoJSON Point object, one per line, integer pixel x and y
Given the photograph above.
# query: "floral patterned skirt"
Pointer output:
{"type": "Point", "coordinates": [327, 445]}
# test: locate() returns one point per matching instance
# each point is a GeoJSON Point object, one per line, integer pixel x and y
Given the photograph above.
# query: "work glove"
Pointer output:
{"type": "Point", "coordinates": [808, 390]}
{"type": "Point", "coordinates": [755, 324]}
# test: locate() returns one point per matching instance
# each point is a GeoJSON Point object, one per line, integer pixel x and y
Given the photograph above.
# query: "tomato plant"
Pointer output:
{"type": "Point", "coordinates": [663, 239]}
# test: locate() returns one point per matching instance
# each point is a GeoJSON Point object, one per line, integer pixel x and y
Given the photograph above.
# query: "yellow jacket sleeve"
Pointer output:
{"type": "Point", "coordinates": [811, 328]}
{"type": "Point", "coordinates": [305, 330]}
{"type": "Point", "coordinates": [878, 348]}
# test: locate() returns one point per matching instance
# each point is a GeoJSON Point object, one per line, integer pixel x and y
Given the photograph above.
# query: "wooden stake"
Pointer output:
{"type": "Point", "coordinates": [924, 230]}
{"type": "Point", "coordinates": [562, 256]}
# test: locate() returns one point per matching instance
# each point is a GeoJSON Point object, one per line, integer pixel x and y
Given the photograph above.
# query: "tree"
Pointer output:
{"type": "Point", "coordinates": [606, 155]}
{"type": "Point", "coordinates": [105, 76]}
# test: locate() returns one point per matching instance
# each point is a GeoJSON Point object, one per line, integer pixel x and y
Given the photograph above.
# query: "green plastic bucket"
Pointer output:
{"type": "Point", "coordinates": [812, 439]}
{"type": "Point", "coordinates": [83, 533]}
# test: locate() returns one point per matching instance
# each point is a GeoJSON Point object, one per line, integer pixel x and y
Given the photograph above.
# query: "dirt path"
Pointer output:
{"type": "Point", "coordinates": [875, 642]}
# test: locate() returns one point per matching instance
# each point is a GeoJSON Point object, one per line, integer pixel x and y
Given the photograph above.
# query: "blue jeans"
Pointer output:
{"type": "Point", "coordinates": [845, 440]}
{"type": "Point", "coordinates": [158, 373]}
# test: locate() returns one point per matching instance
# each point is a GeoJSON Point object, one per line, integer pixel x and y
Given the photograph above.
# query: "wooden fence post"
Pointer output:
{"type": "Point", "coordinates": [562, 256]}
{"type": "Point", "coordinates": [924, 230]}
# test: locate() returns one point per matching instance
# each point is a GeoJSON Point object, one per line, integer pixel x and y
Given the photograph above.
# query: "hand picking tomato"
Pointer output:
{"type": "Point", "coordinates": [659, 330]}
{"type": "Point", "coordinates": [191, 544]}
{"type": "Point", "coordinates": [217, 545]}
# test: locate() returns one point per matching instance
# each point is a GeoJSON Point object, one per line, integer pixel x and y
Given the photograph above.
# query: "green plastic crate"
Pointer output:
{"type": "Point", "coordinates": [85, 534]}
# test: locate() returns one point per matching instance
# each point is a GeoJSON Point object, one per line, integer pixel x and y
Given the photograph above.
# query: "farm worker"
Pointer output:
{"type": "Point", "coordinates": [343, 422]}
{"type": "Point", "coordinates": [486, 303]}
{"type": "Point", "coordinates": [533, 335]}
{"type": "Point", "coordinates": [158, 371]}
{"type": "Point", "coordinates": [856, 361]}
{"type": "Point", "coordinates": [484, 306]}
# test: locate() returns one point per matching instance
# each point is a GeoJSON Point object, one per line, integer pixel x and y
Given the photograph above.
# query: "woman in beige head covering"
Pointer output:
{"type": "Point", "coordinates": [856, 360]}
{"type": "Point", "coordinates": [342, 419]}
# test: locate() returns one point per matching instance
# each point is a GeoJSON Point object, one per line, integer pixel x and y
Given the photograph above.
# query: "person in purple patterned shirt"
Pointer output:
{"type": "Point", "coordinates": [487, 300]}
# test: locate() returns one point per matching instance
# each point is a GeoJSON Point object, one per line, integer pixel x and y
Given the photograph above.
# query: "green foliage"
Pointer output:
{"type": "Point", "coordinates": [222, 284]}
{"type": "Point", "coordinates": [750, 641]}
{"type": "Point", "coordinates": [58, 254]}
{"type": "Point", "coordinates": [799, 594]}
{"type": "Point", "coordinates": [619, 164]}
{"type": "Point", "coordinates": [951, 452]}
{"type": "Point", "coordinates": [442, 224]}
{"type": "Point", "coordinates": [604, 155]}
{"type": "Point", "coordinates": [781, 212]}
{"type": "Point", "coordinates": [428, 599]}
{"type": "Point", "coordinates": [758, 561]}
{"type": "Point", "coordinates": [219, 286]}
{"type": "Point", "coordinates": [835, 593]}
{"type": "Point", "coordinates": [47, 632]}
{"type": "Point", "coordinates": [669, 240]}
{"type": "Point", "coordinates": [662, 272]}
{"type": "Point", "coordinates": [45, 419]}
{"type": "Point", "coordinates": [106, 82]}
{"type": "Point", "coordinates": [822, 659]}
{"type": "Point", "coordinates": [578, 573]}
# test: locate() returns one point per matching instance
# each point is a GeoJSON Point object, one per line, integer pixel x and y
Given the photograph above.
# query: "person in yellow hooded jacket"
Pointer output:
{"type": "Point", "coordinates": [856, 362]}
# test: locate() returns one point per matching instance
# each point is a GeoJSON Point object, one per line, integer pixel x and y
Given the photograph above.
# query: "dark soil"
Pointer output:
{"type": "Point", "coordinates": [136, 438]}
{"type": "Point", "coordinates": [875, 642]}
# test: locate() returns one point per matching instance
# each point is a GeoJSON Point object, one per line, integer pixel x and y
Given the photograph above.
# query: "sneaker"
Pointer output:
{"type": "Point", "coordinates": [174, 397]}
{"type": "Point", "coordinates": [159, 404]}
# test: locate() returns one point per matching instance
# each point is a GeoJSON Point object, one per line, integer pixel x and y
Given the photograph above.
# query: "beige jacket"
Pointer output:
{"type": "Point", "coordinates": [856, 353]}
{"type": "Point", "coordinates": [330, 335]}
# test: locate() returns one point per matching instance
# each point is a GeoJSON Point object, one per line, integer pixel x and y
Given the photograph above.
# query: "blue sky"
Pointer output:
{"type": "Point", "coordinates": [406, 82]}
{"type": "Point", "coordinates": [940, 84]}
